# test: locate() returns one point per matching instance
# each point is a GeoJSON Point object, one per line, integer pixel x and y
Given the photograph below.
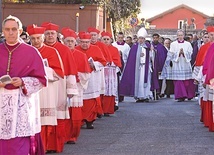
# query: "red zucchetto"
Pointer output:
{"type": "Point", "coordinates": [92, 29]}
{"type": "Point", "coordinates": [84, 35]}
{"type": "Point", "coordinates": [33, 29]}
{"type": "Point", "coordinates": [106, 34]}
{"type": "Point", "coordinates": [67, 32]}
{"type": "Point", "coordinates": [210, 29]}
{"type": "Point", "coordinates": [50, 26]}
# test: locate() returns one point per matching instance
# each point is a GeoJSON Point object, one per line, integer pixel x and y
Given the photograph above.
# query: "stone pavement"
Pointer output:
{"type": "Point", "coordinates": [163, 127]}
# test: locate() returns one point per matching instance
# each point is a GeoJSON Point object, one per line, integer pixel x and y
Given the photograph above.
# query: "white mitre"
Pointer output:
{"type": "Point", "coordinates": [142, 32]}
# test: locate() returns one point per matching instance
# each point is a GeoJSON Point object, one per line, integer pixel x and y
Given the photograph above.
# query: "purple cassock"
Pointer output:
{"type": "Point", "coordinates": [22, 63]}
{"type": "Point", "coordinates": [25, 62]}
{"type": "Point", "coordinates": [127, 84]}
{"type": "Point", "coordinates": [159, 60]}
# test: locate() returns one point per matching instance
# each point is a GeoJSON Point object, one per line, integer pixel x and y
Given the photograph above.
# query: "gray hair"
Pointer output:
{"type": "Point", "coordinates": [13, 18]}
{"type": "Point", "coordinates": [179, 30]}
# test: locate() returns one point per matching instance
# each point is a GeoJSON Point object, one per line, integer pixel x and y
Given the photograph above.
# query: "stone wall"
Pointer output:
{"type": "Point", "coordinates": [61, 14]}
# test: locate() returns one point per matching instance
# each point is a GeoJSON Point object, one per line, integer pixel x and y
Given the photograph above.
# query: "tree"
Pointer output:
{"type": "Point", "coordinates": [54, 1]}
{"type": "Point", "coordinates": [120, 10]}
{"type": "Point", "coordinates": [117, 10]}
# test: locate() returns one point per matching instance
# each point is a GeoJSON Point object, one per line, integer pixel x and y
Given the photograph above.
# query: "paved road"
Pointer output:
{"type": "Point", "coordinates": [163, 127]}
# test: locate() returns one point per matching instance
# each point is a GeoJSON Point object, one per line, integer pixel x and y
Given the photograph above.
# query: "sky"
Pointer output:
{"type": "Point", "coordinates": [151, 8]}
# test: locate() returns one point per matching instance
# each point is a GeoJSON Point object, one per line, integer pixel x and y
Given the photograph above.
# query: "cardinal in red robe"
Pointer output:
{"type": "Point", "coordinates": [67, 87]}
{"type": "Point", "coordinates": [91, 96]}
{"type": "Point", "coordinates": [108, 99]}
{"type": "Point", "coordinates": [76, 103]}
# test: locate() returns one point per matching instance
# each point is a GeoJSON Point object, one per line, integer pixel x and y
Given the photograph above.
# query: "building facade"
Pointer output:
{"type": "Point", "coordinates": [65, 15]}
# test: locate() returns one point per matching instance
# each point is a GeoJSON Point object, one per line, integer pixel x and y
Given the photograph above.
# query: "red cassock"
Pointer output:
{"type": "Point", "coordinates": [201, 54]}
{"type": "Point", "coordinates": [105, 51]}
{"type": "Point", "coordinates": [108, 102]}
{"type": "Point", "coordinates": [91, 106]}
{"type": "Point", "coordinates": [95, 53]}
{"type": "Point", "coordinates": [81, 61]}
{"type": "Point", "coordinates": [57, 133]}
{"type": "Point", "coordinates": [67, 58]}
{"type": "Point", "coordinates": [208, 115]}
{"type": "Point", "coordinates": [199, 62]}
{"type": "Point", "coordinates": [108, 57]}
{"type": "Point", "coordinates": [51, 55]}
{"type": "Point", "coordinates": [73, 125]}
{"type": "Point", "coordinates": [115, 54]}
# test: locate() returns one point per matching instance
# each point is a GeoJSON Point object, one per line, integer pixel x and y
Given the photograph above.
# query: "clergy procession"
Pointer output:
{"type": "Point", "coordinates": [52, 87]}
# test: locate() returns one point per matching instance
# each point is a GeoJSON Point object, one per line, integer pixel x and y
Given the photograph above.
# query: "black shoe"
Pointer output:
{"type": "Point", "coordinates": [189, 99]}
{"type": "Point", "coordinates": [146, 100]}
{"type": "Point", "coordinates": [89, 125]}
{"type": "Point", "coordinates": [161, 95]}
{"type": "Point", "coordinates": [99, 116]}
{"type": "Point", "coordinates": [50, 151]}
{"type": "Point", "coordinates": [116, 108]}
{"type": "Point", "coordinates": [106, 115]}
{"type": "Point", "coordinates": [142, 100]}
{"type": "Point", "coordinates": [121, 98]}
{"type": "Point", "coordinates": [138, 101]}
{"type": "Point", "coordinates": [71, 142]}
{"type": "Point", "coordinates": [181, 99]}
{"type": "Point", "coordinates": [167, 96]}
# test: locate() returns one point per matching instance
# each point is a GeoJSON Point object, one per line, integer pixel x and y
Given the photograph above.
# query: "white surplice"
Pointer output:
{"type": "Point", "coordinates": [77, 100]}
{"type": "Point", "coordinates": [124, 49]}
{"type": "Point", "coordinates": [198, 75]}
{"type": "Point", "coordinates": [181, 68]}
{"type": "Point", "coordinates": [49, 99]}
{"type": "Point", "coordinates": [110, 80]}
{"type": "Point", "coordinates": [19, 113]}
{"type": "Point", "coordinates": [94, 88]}
{"type": "Point", "coordinates": [66, 86]}
{"type": "Point", "coordinates": [142, 89]}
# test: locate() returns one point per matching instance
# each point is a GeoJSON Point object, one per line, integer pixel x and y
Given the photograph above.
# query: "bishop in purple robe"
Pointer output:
{"type": "Point", "coordinates": [136, 79]}
{"type": "Point", "coordinates": [20, 112]}
{"type": "Point", "coordinates": [159, 57]}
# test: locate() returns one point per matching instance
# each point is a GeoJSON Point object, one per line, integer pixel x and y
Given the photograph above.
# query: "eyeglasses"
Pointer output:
{"type": "Point", "coordinates": [50, 33]}
{"type": "Point", "coordinates": [106, 39]}
{"type": "Point", "coordinates": [85, 42]}
{"type": "Point", "coordinates": [69, 41]}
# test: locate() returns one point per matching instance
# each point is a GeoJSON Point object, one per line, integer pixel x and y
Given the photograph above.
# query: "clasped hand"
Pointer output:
{"type": "Point", "coordinates": [181, 52]}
